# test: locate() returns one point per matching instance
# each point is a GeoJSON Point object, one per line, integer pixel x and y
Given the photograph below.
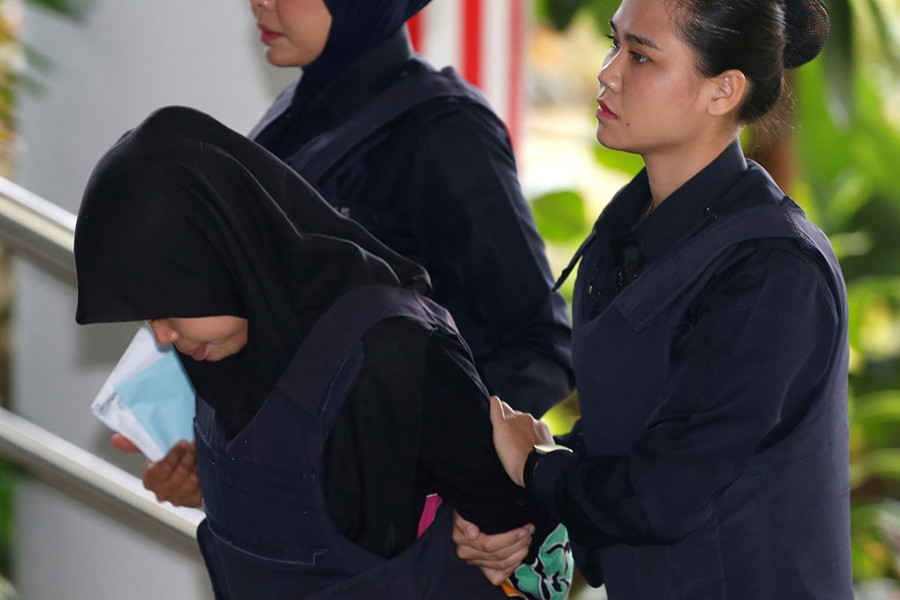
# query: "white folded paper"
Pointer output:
{"type": "Point", "coordinates": [148, 397]}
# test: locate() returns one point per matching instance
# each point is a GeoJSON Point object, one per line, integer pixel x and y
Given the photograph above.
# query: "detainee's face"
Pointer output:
{"type": "Point", "coordinates": [202, 338]}
{"type": "Point", "coordinates": [650, 98]}
{"type": "Point", "coordinates": [293, 31]}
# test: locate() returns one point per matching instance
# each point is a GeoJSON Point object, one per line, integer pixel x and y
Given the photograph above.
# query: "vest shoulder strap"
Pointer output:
{"type": "Point", "coordinates": [321, 153]}
{"type": "Point", "coordinates": [319, 359]}
{"type": "Point", "coordinates": [662, 282]}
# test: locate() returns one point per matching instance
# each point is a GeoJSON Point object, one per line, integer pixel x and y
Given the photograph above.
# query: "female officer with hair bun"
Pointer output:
{"type": "Point", "coordinates": [418, 157]}
{"type": "Point", "coordinates": [709, 336]}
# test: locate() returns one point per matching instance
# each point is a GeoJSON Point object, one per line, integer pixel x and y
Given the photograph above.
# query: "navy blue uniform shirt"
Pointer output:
{"type": "Point", "coordinates": [439, 186]}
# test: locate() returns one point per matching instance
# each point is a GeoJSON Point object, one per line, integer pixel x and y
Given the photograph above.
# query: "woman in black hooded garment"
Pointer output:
{"type": "Point", "coordinates": [436, 183]}
{"type": "Point", "coordinates": [183, 223]}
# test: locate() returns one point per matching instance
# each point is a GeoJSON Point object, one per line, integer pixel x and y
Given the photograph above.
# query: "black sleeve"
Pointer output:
{"type": "Point", "coordinates": [456, 450]}
{"type": "Point", "coordinates": [370, 453]}
{"type": "Point", "coordinates": [416, 422]}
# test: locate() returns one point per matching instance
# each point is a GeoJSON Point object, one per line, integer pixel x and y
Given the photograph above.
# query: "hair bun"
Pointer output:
{"type": "Point", "coordinates": [806, 28]}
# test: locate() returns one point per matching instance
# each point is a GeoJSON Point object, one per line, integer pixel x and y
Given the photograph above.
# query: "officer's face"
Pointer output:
{"type": "Point", "coordinates": [651, 101]}
{"type": "Point", "coordinates": [294, 31]}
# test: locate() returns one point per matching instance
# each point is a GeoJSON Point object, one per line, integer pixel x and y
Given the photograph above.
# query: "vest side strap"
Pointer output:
{"type": "Point", "coordinates": [660, 284]}
{"type": "Point", "coordinates": [321, 153]}
{"type": "Point", "coordinates": [335, 334]}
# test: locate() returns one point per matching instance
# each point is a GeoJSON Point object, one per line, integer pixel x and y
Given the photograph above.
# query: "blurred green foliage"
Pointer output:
{"type": "Point", "coordinates": [21, 65]}
{"type": "Point", "coordinates": [846, 153]}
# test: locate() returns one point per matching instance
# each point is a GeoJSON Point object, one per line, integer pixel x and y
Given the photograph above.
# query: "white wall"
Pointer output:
{"type": "Point", "coordinates": [127, 58]}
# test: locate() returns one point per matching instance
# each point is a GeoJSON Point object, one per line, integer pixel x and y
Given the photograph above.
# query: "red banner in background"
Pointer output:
{"type": "Point", "coordinates": [486, 41]}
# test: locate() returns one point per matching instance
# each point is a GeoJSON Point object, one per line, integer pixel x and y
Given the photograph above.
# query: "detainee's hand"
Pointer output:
{"type": "Point", "coordinates": [496, 555]}
{"type": "Point", "coordinates": [174, 477]}
{"type": "Point", "coordinates": [515, 434]}
{"type": "Point", "coordinates": [123, 444]}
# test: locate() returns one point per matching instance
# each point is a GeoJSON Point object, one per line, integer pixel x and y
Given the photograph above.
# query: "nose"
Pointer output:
{"type": "Point", "coordinates": [259, 5]}
{"type": "Point", "coordinates": [163, 333]}
{"type": "Point", "coordinates": [609, 76]}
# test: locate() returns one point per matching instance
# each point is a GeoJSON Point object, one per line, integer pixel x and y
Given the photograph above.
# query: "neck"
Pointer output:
{"type": "Point", "coordinates": [668, 171]}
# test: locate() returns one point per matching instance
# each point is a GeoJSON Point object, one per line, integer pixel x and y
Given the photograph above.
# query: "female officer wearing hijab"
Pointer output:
{"type": "Point", "coordinates": [437, 183]}
{"type": "Point", "coordinates": [183, 223]}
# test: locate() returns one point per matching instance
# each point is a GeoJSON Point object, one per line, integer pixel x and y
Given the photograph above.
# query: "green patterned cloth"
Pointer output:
{"type": "Point", "coordinates": [549, 575]}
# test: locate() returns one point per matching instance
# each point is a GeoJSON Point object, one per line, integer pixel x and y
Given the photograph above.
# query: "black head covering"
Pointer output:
{"type": "Point", "coordinates": [357, 26]}
{"type": "Point", "coordinates": [184, 217]}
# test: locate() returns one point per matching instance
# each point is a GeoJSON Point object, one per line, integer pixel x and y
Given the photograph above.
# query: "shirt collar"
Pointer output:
{"type": "Point", "coordinates": [683, 211]}
{"type": "Point", "coordinates": [364, 79]}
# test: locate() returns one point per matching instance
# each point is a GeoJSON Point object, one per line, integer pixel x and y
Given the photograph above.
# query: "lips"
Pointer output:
{"type": "Point", "coordinates": [603, 111]}
{"type": "Point", "coordinates": [266, 35]}
{"type": "Point", "coordinates": [199, 353]}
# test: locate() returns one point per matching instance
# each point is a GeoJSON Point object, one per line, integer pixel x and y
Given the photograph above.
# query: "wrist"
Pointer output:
{"type": "Point", "coordinates": [537, 454]}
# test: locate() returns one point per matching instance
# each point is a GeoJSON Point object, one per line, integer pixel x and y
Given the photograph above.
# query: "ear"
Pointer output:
{"type": "Point", "coordinates": [727, 93]}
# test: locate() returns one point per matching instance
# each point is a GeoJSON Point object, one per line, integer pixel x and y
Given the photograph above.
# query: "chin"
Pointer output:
{"type": "Point", "coordinates": [276, 59]}
{"type": "Point", "coordinates": [275, 62]}
{"type": "Point", "coordinates": [604, 137]}
{"type": "Point", "coordinates": [621, 148]}
{"type": "Point", "coordinates": [606, 142]}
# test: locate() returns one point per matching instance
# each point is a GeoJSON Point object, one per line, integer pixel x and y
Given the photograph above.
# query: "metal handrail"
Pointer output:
{"type": "Point", "coordinates": [37, 227]}
{"type": "Point", "coordinates": [45, 232]}
{"type": "Point", "coordinates": [69, 467]}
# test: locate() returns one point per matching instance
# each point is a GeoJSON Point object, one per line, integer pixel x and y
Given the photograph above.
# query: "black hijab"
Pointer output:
{"type": "Point", "coordinates": [357, 26]}
{"type": "Point", "coordinates": [184, 217]}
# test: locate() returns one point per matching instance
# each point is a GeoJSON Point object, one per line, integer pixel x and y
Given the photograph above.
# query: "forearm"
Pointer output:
{"type": "Point", "coordinates": [456, 451]}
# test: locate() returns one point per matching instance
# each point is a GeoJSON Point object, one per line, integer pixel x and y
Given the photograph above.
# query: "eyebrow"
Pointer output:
{"type": "Point", "coordinates": [637, 39]}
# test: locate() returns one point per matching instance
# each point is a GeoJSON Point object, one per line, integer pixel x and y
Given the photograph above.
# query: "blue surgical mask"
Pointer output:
{"type": "Point", "coordinates": [148, 398]}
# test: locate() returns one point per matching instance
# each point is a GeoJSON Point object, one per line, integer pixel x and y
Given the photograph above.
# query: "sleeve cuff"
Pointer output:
{"type": "Point", "coordinates": [542, 472]}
